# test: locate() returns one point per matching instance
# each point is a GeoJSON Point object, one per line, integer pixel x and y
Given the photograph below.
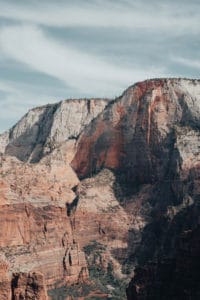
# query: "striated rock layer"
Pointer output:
{"type": "Point", "coordinates": [29, 286]}
{"type": "Point", "coordinates": [150, 138]}
{"type": "Point", "coordinates": [137, 132]}
{"type": "Point", "coordinates": [36, 233]}
{"type": "Point", "coordinates": [44, 128]}
{"type": "Point", "coordinates": [5, 291]}
{"type": "Point", "coordinates": [97, 192]}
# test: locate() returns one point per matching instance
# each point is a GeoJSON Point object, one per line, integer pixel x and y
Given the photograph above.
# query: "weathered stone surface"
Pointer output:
{"type": "Point", "coordinates": [36, 232]}
{"type": "Point", "coordinates": [99, 217]}
{"type": "Point", "coordinates": [44, 128]}
{"type": "Point", "coordinates": [150, 138]}
{"type": "Point", "coordinates": [137, 132]}
{"type": "Point", "coordinates": [28, 286]}
{"type": "Point", "coordinates": [51, 181]}
{"type": "Point", "coordinates": [5, 290]}
{"type": "Point", "coordinates": [119, 181]}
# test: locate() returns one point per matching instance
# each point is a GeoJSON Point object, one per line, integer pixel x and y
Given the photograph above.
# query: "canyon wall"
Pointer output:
{"type": "Point", "coordinates": [44, 128]}
{"type": "Point", "coordinates": [105, 195]}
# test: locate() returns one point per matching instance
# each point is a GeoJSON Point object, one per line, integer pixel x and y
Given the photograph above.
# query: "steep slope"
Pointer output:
{"type": "Point", "coordinates": [44, 128]}
{"type": "Point", "coordinates": [110, 188]}
{"type": "Point", "coordinates": [36, 233]}
{"type": "Point", "coordinates": [150, 138]}
{"type": "Point", "coordinates": [136, 132]}
{"type": "Point", "coordinates": [173, 278]}
{"type": "Point", "coordinates": [28, 286]}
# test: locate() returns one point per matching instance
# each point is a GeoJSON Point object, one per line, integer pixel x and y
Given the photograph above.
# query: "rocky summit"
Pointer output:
{"type": "Point", "coordinates": [100, 199]}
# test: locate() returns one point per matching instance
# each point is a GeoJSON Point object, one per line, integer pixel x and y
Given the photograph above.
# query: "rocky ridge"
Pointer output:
{"type": "Point", "coordinates": [105, 187]}
{"type": "Point", "coordinates": [45, 128]}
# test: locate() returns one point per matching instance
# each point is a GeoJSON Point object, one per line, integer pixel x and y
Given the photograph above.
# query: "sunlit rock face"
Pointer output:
{"type": "Point", "coordinates": [44, 128]}
{"type": "Point", "coordinates": [137, 132]}
{"type": "Point", "coordinates": [105, 195]}
{"type": "Point", "coordinates": [149, 137]}
{"type": "Point", "coordinates": [36, 233]}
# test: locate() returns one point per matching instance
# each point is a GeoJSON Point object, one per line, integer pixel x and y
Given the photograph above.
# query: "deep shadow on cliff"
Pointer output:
{"type": "Point", "coordinates": [29, 144]}
{"type": "Point", "coordinates": [175, 277]}
{"type": "Point", "coordinates": [133, 211]}
{"type": "Point", "coordinates": [150, 139]}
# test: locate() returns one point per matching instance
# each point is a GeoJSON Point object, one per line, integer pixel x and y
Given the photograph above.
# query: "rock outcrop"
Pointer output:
{"type": "Point", "coordinates": [136, 133]}
{"type": "Point", "coordinates": [44, 128]}
{"type": "Point", "coordinates": [106, 187]}
{"type": "Point", "coordinates": [36, 233]}
{"type": "Point", "coordinates": [28, 286]}
{"type": "Point", "coordinates": [170, 278]}
{"type": "Point", "coordinates": [5, 291]}
{"type": "Point", "coordinates": [150, 138]}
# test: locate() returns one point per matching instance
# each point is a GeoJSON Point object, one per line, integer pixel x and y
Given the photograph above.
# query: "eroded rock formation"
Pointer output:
{"type": "Point", "coordinates": [36, 234]}
{"type": "Point", "coordinates": [44, 128]}
{"type": "Point", "coordinates": [28, 286]}
{"type": "Point", "coordinates": [5, 291]}
{"type": "Point", "coordinates": [96, 189]}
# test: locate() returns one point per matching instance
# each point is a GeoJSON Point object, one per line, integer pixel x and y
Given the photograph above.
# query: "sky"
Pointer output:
{"type": "Point", "coordinates": [54, 50]}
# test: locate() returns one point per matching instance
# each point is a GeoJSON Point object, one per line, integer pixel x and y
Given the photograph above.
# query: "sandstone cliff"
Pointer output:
{"type": "Point", "coordinates": [97, 192]}
{"type": "Point", "coordinates": [44, 128]}
{"type": "Point", "coordinates": [150, 139]}
{"type": "Point", "coordinates": [36, 234]}
{"type": "Point", "coordinates": [5, 291]}
{"type": "Point", "coordinates": [29, 286]}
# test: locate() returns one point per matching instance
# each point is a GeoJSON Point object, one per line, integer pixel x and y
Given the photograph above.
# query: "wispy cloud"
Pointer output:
{"type": "Point", "coordinates": [77, 69]}
{"type": "Point", "coordinates": [188, 62]}
{"type": "Point", "coordinates": [131, 14]}
{"type": "Point", "coordinates": [50, 50]}
{"type": "Point", "coordinates": [17, 98]}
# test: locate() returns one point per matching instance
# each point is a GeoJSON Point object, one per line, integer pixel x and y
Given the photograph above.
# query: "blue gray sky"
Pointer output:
{"type": "Point", "coordinates": [53, 50]}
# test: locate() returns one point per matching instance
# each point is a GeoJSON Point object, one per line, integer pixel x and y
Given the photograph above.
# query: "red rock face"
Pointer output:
{"type": "Point", "coordinates": [36, 233]}
{"type": "Point", "coordinates": [116, 192]}
{"type": "Point", "coordinates": [28, 286]}
{"type": "Point", "coordinates": [150, 136]}
{"type": "Point", "coordinates": [134, 133]}
{"type": "Point", "coordinates": [5, 291]}
{"type": "Point", "coordinates": [99, 217]}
